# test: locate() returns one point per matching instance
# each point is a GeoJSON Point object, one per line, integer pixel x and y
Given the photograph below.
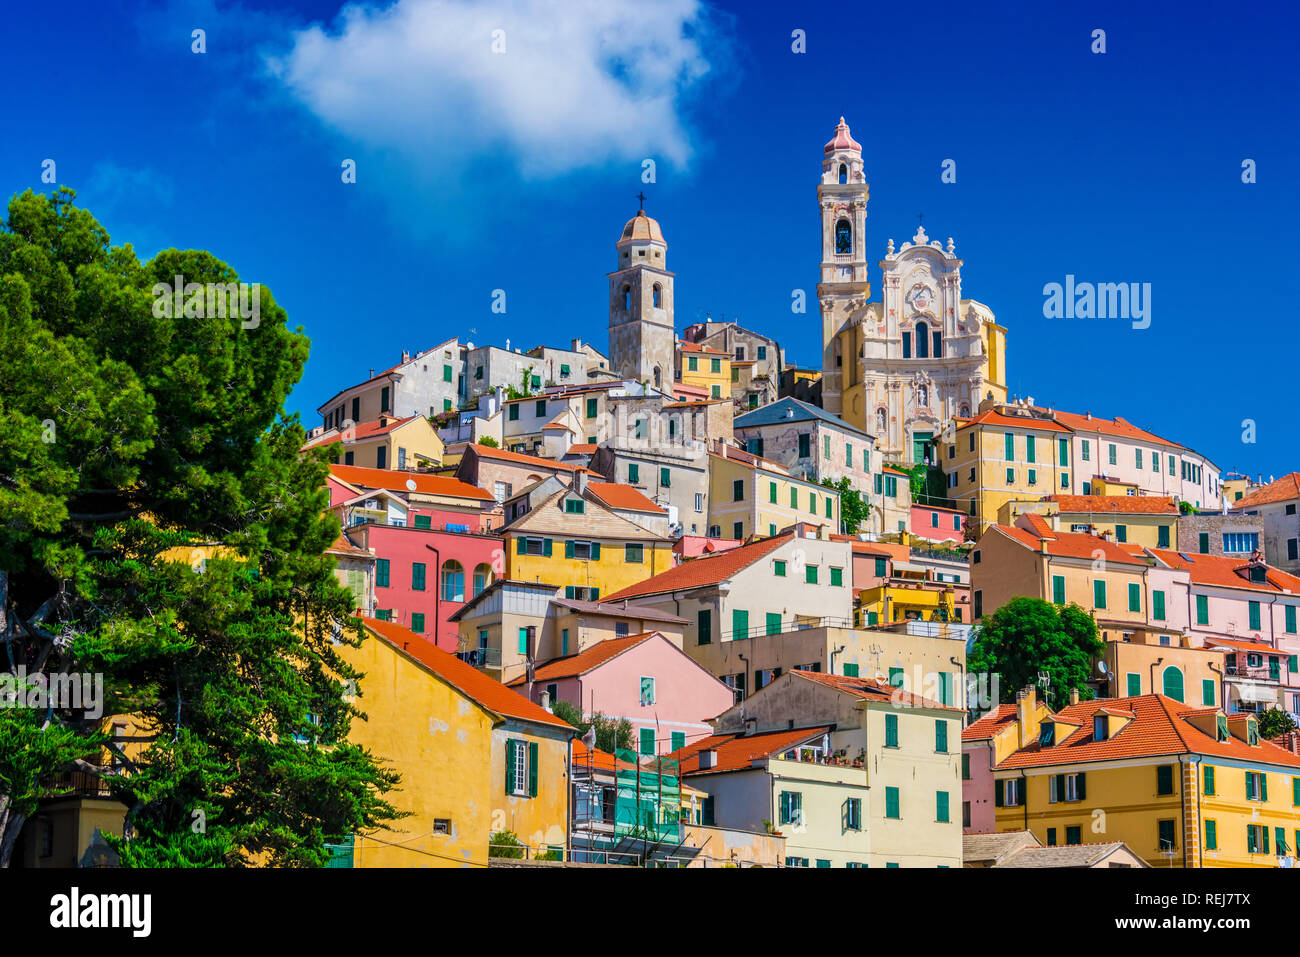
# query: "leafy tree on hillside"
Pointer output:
{"type": "Point", "coordinates": [1027, 636]}
{"type": "Point", "coordinates": [1275, 722]}
{"type": "Point", "coordinates": [854, 509]}
{"type": "Point", "coordinates": [134, 446]}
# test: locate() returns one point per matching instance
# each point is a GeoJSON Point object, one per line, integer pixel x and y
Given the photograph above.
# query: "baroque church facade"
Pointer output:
{"type": "Point", "coordinates": [902, 368]}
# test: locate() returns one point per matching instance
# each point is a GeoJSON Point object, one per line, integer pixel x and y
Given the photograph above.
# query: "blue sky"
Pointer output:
{"type": "Point", "coordinates": [479, 171]}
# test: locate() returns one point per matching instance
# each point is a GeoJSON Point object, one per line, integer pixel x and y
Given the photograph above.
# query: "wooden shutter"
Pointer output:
{"type": "Point", "coordinates": [1082, 786]}
{"type": "Point", "coordinates": [1263, 786]}
{"type": "Point", "coordinates": [510, 765]}
{"type": "Point", "coordinates": [520, 547]}
{"type": "Point", "coordinates": [568, 553]}
{"type": "Point", "coordinates": [546, 547]}
{"type": "Point", "coordinates": [595, 551]}
{"type": "Point", "coordinates": [1060, 787]}
{"type": "Point", "coordinates": [532, 769]}
{"type": "Point", "coordinates": [997, 793]}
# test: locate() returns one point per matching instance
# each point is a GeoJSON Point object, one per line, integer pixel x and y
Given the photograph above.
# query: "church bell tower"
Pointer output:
{"type": "Point", "coordinates": [843, 290]}
{"type": "Point", "coordinates": [641, 336]}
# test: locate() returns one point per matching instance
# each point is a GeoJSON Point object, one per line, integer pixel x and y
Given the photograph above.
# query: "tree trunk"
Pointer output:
{"type": "Point", "coordinates": [9, 837]}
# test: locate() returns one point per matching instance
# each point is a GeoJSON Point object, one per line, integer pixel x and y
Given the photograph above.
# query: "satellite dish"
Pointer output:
{"type": "Point", "coordinates": [410, 485]}
{"type": "Point", "coordinates": [1101, 667]}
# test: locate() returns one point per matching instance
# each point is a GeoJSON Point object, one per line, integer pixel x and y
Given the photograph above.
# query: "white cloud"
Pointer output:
{"type": "Point", "coordinates": [581, 82]}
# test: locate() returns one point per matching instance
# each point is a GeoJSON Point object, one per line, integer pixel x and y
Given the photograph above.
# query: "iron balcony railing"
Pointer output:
{"type": "Point", "coordinates": [785, 627]}
{"type": "Point", "coordinates": [480, 657]}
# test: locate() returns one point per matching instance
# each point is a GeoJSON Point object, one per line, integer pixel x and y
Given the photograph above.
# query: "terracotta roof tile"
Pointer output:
{"type": "Point", "coordinates": [360, 432]}
{"type": "Point", "coordinates": [1225, 571]}
{"type": "Point", "coordinates": [1068, 544]}
{"type": "Point", "coordinates": [623, 496]}
{"type": "Point", "coordinates": [872, 690]}
{"type": "Point", "coordinates": [395, 481]}
{"type": "Point", "coordinates": [737, 752]}
{"type": "Point", "coordinates": [1243, 645]}
{"type": "Point", "coordinates": [995, 418]}
{"type": "Point", "coordinates": [990, 724]}
{"type": "Point", "coordinates": [705, 570]}
{"type": "Point", "coordinates": [1283, 490]}
{"type": "Point", "coordinates": [1159, 728]}
{"type": "Point", "coordinates": [1117, 427]}
{"type": "Point", "coordinates": [488, 452]}
{"type": "Point", "coordinates": [488, 692]}
{"type": "Point", "coordinates": [1136, 504]}
{"type": "Point", "coordinates": [579, 664]}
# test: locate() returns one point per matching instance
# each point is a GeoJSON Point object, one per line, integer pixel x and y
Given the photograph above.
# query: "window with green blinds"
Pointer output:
{"type": "Point", "coordinates": [1202, 609]}
{"type": "Point", "coordinates": [892, 809]}
{"type": "Point", "coordinates": [739, 624]}
{"type": "Point", "coordinates": [1058, 589]}
{"type": "Point", "coordinates": [1290, 619]}
{"type": "Point", "coordinates": [1211, 836]}
{"type": "Point", "coordinates": [1254, 615]}
{"type": "Point", "coordinates": [1158, 605]}
{"type": "Point", "coordinates": [1134, 597]}
{"type": "Point", "coordinates": [1133, 684]}
{"type": "Point", "coordinates": [1099, 594]}
{"type": "Point", "coordinates": [1009, 447]}
{"type": "Point", "coordinates": [381, 573]}
{"type": "Point", "coordinates": [891, 730]}
{"type": "Point", "coordinates": [941, 806]}
{"type": "Point", "coordinates": [941, 736]}
{"type": "Point", "coordinates": [774, 623]}
{"type": "Point", "coordinates": [1207, 692]}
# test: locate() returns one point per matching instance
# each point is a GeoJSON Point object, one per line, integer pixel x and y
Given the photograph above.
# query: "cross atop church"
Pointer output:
{"type": "Point", "coordinates": [642, 197]}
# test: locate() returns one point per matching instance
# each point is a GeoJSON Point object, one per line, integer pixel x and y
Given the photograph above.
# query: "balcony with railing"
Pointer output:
{"type": "Point", "coordinates": [480, 656]}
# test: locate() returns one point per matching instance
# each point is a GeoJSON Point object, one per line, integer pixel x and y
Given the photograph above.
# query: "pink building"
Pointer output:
{"type": "Point", "coordinates": [645, 678]}
{"type": "Point", "coordinates": [1249, 609]}
{"type": "Point", "coordinates": [937, 524]}
{"type": "Point", "coordinates": [873, 562]}
{"type": "Point", "coordinates": [693, 546]}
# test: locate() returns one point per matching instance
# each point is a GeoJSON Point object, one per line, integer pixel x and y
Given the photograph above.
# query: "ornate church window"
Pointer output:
{"type": "Point", "coordinates": [658, 296]}
{"type": "Point", "coordinates": [844, 173]}
{"type": "Point", "coordinates": [843, 237]}
{"type": "Point", "coordinates": [907, 345]}
{"type": "Point", "coordinates": [922, 341]}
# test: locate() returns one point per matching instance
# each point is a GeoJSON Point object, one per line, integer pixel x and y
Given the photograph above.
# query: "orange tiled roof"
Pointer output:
{"type": "Point", "coordinates": [696, 347]}
{"type": "Point", "coordinates": [990, 724]}
{"type": "Point", "coordinates": [737, 752]}
{"type": "Point", "coordinates": [582, 448]}
{"type": "Point", "coordinates": [1136, 504]}
{"type": "Point", "coordinates": [996, 418]}
{"type": "Point", "coordinates": [555, 423]}
{"type": "Point", "coordinates": [395, 481]}
{"type": "Point", "coordinates": [1120, 428]}
{"type": "Point", "coordinates": [705, 570]}
{"type": "Point", "coordinates": [600, 760]}
{"type": "Point", "coordinates": [1283, 490]}
{"type": "Point", "coordinates": [488, 692]}
{"type": "Point", "coordinates": [872, 690]}
{"type": "Point", "coordinates": [360, 432]}
{"type": "Point", "coordinates": [1158, 728]}
{"type": "Point", "coordinates": [486, 451]}
{"type": "Point", "coordinates": [1243, 645]}
{"type": "Point", "coordinates": [622, 496]}
{"type": "Point", "coordinates": [579, 664]}
{"type": "Point", "coordinates": [343, 546]}
{"type": "Point", "coordinates": [1067, 544]}
{"type": "Point", "coordinates": [899, 553]}
{"type": "Point", "coordinates": [1223, 570]}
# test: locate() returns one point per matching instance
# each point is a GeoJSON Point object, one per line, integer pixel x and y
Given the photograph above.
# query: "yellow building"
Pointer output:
{"type": "Point", "coordinates": [896, 600]}
{"type": "Point", "coordinates": [751, 495]}
{"type": "Point", "coordinates": [1181, 786]}
{"type": "Point", "coordinates": [1146, 520]}
{"type": "Point", "coordinates": [474, 757]}
{"type": "Point", "coordinates": [575, 540]}
{"type": "Point", "coordinates": [385, 443]}
{"type": "Point", "coordinates": [1007, 453]}
{"type": "Point", "coordinates": [1032, 560]}
{"type": "Point", "coordinates": [705, 368]}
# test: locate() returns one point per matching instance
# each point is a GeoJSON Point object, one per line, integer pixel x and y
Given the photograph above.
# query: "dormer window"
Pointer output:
{"type": "Point", "coordinates": [1259, 574]}
{"type": "Point", "coordinates": [1047, 735]}
{"type": "Point", "coordinates": [1099, 727]}
{"type": "Point", "coordinates": [1252, 732]}
{"type": "Point", "coordinates": [1221, 727]}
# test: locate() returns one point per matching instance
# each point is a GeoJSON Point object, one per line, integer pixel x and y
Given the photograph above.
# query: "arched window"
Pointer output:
{"type": "Point", "coordinates": [482, 578]}
{"type": "Point", "coordinates": [1173, 683]}
{"type": "Point", "coordinates": [658, 384]}
{"type": "Point", "coordinates": [844, 173]}
{"type": "Point", "coordinates": [453, 581]}
{"type": "Point", "coordinates": [922, 341]}
{"type": "Point", "coordinates": [881, 421]}
{"type": "Point", "coordinates": [627, 298]}
{"type": "Point", "coordinates": [658, 296]}
{"type": "Point", "coordinates": [843, 237]}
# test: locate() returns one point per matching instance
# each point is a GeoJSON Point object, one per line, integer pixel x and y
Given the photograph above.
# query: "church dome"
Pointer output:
{"type": "Point", "coordinates": [842, 140]}
{"type": "Point", "coordinates": [642, 226]}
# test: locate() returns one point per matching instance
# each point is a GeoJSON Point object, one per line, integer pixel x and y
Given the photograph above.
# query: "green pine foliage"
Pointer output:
{"type": "Point", "coordinates": [131, 445]}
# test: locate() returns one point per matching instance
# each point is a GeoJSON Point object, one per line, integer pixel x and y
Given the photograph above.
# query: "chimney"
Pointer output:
{"type": "Point", "coordinates": [708, 759]}
{"type": "Point", "coordinates": [1074, 696]}
{"type": "Point", "coordinates": [545, 701]}
{"type": "Point", "coordinates": [1027, 721]}
{"type": "Point", "coordinates": [372, 374]}
{"type": "Point", "coordinates": [580, 482]}
{"type": "Point", "coordinates": [406, 356]}
{"type": "Point", "coordinates": [576, 345]}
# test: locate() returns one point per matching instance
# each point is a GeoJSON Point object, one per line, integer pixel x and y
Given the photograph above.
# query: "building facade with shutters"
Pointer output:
{"type": "Point", "coordinates": [1181, 786]}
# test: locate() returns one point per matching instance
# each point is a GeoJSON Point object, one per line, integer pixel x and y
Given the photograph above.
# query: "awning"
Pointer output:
{"type": "Point", "coordinates": [1254, 692]}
